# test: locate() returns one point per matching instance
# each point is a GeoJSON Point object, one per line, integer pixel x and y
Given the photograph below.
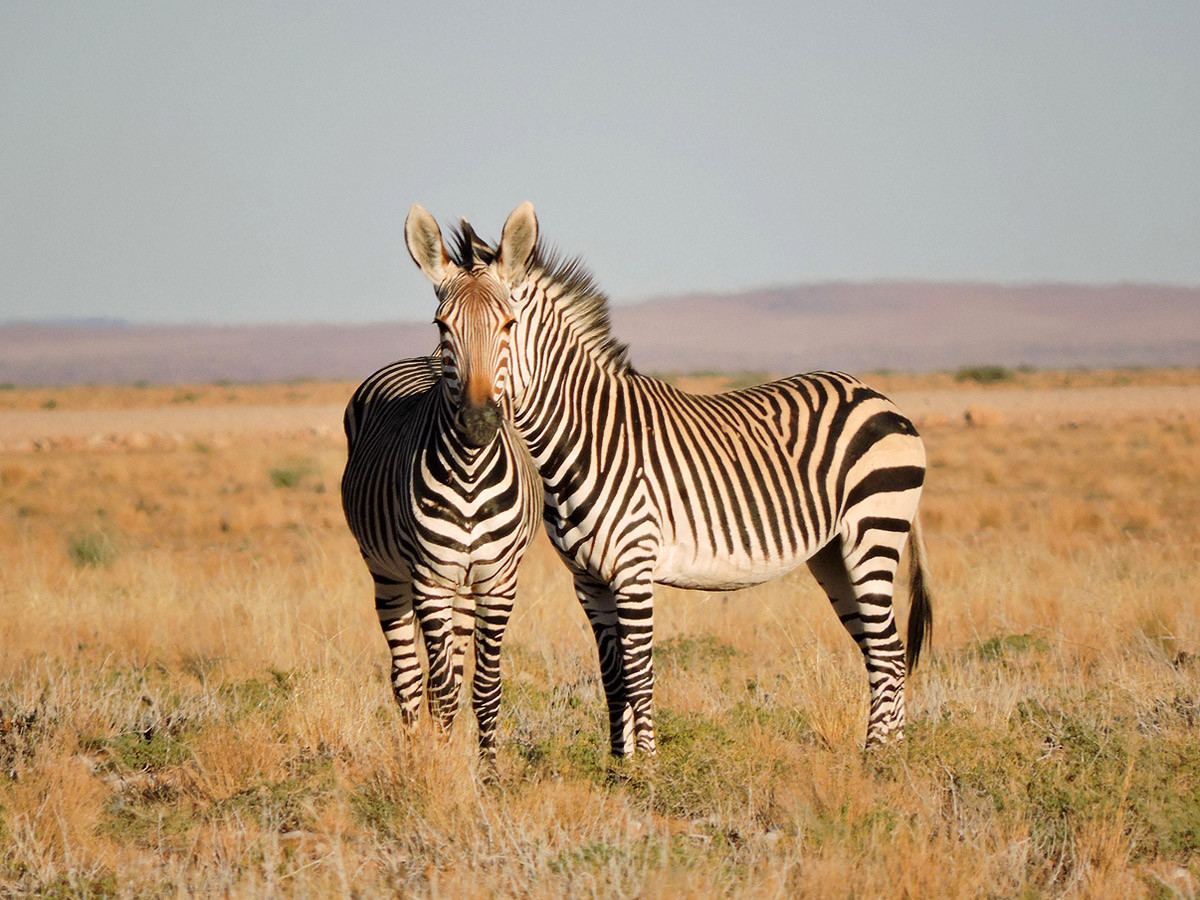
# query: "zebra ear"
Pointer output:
{"type": "Point", "coordinates": [517, 242]}
{"type": "Point", "coordinates": [425, 246]}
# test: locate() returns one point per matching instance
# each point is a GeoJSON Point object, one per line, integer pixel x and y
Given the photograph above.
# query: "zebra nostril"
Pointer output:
{"type": "Point", "coordinates": [491, 413]}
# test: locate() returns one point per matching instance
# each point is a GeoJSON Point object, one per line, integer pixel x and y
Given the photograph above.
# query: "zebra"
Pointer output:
{"type": "Point", "coordinates": [646, 484]}
{"type": "Point", "coordinates": [443, 500]}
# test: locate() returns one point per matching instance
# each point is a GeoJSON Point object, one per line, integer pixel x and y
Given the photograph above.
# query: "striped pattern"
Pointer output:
{"type": "Point", "coordinates": [442, 527]}
{"type": "Point", "coordinates": [646, 484]}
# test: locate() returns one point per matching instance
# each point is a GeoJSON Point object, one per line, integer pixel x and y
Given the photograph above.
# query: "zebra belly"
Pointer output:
{"type": "Point", "coordinates": [682, 566]}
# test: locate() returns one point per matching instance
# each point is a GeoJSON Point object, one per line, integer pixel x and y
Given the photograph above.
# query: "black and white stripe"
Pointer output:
{"type": "Point", "coordinates": [647, 484]}
{"type": "Point", "coordinates": [442, 527]}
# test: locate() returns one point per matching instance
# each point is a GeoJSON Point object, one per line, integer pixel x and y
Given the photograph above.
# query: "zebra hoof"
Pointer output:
{"type": "Point", "coordinates": [884, 739]}
{"type": "Point", "coordinates": [489, 775]}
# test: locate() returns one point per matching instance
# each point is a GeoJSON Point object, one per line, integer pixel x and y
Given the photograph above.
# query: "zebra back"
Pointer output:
{"type": "Point", "coordinates": [388, 392]}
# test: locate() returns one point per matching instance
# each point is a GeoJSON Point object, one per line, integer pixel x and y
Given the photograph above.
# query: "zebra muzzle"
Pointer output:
{"type": "Point", "coordinates": [477, 425]}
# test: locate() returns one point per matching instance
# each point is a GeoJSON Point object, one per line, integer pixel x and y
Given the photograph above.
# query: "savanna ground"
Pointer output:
{"type": "Point", "coordinates": [194, 697]}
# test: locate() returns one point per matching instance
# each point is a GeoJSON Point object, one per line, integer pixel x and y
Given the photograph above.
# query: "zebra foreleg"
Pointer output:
{"type": "Point", "coordinates": [434, 608]}
{"type": "Point", "coordinates": [601, 607]}
{"type": "Point", "coordinates": [635, 619]}
{"type": "Point", "coordinates": [393, 604]}
{"type": "Point", "coordinates": [492, 611]}
{"type": "Point", "coordinates": [859, 584]}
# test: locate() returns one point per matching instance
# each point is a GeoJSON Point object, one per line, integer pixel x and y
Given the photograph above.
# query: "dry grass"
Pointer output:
{"type": "Point", "coordinates": [304, 391]}
{"type": "Point", "coordinates": [193, 698]}
{"type": "Point", "coordinates": [143, 396]}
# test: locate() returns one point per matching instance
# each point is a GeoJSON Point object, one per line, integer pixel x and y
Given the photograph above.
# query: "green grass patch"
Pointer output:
{"type": "Point", "coordinates": [1063, 768]}
{"type": "Point", "coordinates": [785, 722]}
{"type": "Point", "coordinates": [381, 809]}
{"type": "Point", "coordinates": [154, 817]}
{"type": "Point", "coordinates": [291, 475]}
{"type": "Point", "coordinates": [591, 854]}
{"type": "Point", "coordinates": [102, 885]}
{"type": "Point", "coordinates": [91, 549]}
{"type": "Point", "coordinates": [1007, 646]}
{"type": "Point", "coordinates": [695, 770]}
{"type": "Point", "coordinates": [151, 751]}
{"type": "Point", "coordinates": [290, 802]}
{"type": "Point", "coordinates": [286, 478]}
{"type": "Point", "coordinates": [272, 692]}
{"type": "Point", "coordinates": [984, 374]}
{"type": "Point", "coordinates": [558, 731]}
{"type": "Point", "coordinates": [700, 652]}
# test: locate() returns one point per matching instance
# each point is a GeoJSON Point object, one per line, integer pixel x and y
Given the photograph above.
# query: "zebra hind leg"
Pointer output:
{"type": "Point", "coordinates": [601, 608]}
{"type": "Point", "coordinates": [859, 578]}
{"type": "Point", "coordinates": [393, 604]}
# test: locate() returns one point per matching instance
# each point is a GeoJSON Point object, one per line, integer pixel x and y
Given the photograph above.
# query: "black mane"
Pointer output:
{"type": "Point", "coordinates": [469, 250]}
{"type": "Point", "coordinates": [581, 303]}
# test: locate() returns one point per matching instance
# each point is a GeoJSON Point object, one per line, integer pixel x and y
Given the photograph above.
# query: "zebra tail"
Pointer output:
{"type": "Point", "coordinates": [920, 613]}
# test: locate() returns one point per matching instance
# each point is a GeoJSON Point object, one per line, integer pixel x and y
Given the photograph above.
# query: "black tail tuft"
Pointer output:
{"type": "Point", "coordinates": [920, 613]}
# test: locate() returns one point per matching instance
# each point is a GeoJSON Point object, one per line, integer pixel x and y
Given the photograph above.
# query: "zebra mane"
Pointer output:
{"type": "Point", "coordinates": [574, 292]}
{"type": "Point", "coordinates": [469, 250]}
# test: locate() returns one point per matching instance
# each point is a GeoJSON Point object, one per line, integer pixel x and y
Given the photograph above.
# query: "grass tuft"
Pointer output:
{"type": "Point", "coordinates": [1002, 646]}
{"type": "Point", "coordinates": [91, 549]}
{"type": "Point", "coordinates": [292, 474]}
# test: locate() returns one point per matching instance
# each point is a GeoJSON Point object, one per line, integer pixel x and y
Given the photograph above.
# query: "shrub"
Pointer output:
{"type": "Point", "coordinates": [984, 374]}
{"type": "Point", "coordinates": [291, 474]}
{"type": "Point", "coordinates": [286, 478]}
{"type": "Point", "coordinates": [91, 548]}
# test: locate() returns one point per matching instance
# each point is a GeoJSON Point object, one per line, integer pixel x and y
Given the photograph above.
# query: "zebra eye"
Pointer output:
{"type": "Point", "coordinates": [506, 327]}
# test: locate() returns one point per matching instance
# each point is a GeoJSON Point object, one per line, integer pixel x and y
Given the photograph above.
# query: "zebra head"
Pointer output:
{"type": "Point", "coordinates": [475, 318]}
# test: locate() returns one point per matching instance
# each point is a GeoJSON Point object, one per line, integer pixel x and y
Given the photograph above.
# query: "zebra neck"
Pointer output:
{"type": "Point", "coordinates": [561, 420]}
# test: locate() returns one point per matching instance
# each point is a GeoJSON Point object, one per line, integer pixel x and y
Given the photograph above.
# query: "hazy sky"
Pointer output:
{"type": "Point", "coordinates": [239, 162]}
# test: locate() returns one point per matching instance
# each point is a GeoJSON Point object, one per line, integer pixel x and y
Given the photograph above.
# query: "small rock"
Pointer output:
{"type": "Point", "coordinates": [982, 417]}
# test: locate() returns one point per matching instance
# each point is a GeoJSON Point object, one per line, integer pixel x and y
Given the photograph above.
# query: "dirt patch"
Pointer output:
{"type": "Point", "coordinates": [142, 428]}
{"type": "Point", "coordinates": [992, 407]}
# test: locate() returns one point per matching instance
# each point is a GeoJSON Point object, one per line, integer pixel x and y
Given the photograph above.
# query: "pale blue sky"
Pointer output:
{"type": "Point", "coordinates": [238, 162]}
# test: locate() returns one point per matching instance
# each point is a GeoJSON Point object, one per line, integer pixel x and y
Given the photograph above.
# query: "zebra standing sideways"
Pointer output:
{"type": "Point", "coordinates": [443, 500]}
{"type": "Point", "coordinates": [647, 484]}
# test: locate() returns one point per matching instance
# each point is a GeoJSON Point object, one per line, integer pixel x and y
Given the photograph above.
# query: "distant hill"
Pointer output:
{"type": "Point", "coordinates": [917, 326]}
{"type": "Point", "coordinates": [855, 327]}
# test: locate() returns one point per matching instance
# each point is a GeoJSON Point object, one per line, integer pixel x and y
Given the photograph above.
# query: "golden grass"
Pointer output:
{"type": "Point", "coordinates": [149, 396]}
{"type": "Point", "coordinates": [309, 392]}
{"type": "Point", "coordinates": [194, 699]}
